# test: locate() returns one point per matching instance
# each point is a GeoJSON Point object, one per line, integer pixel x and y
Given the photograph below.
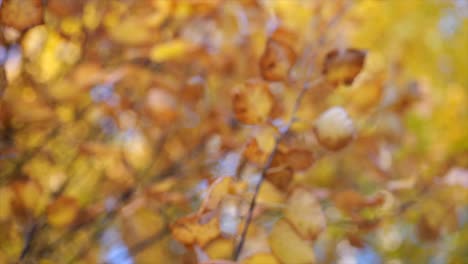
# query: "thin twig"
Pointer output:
{"type": "Point", "coordinates": [267, 166]}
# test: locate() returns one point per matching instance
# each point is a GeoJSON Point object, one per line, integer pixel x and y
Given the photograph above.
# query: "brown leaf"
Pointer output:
{"type": "Point", "coordinates": [21, 14]}
{"type": "Point", "coordinates": [343, 66]}
{"type": "Point", "coordinates": [65, 7]}
{"type": "Point", "coordinates": [349, 201]}
{"type": "Point", "coordinates": [299, 159]}
{"type": "Point", "coordinates": [276, 61]}
{"type": "Point", "coordinates": [252, 102]}
{"type": "Point", "coordinates": [280, 177]}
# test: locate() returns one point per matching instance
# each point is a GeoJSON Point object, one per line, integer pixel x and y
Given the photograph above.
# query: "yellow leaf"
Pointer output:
{"type": "Point", "coordinates": [62, 212]}
{"type": "Point", "coordinates": [288, 246]}
{"type": "Point", "coordinates": [261, 258]}
{"type": "Point", "coordinates": [305, 214]}
{"type": "Point", "coordinates": [253, 102]}
{"type": "Point", "coordinates": [171, 50]}
{"type": "Point", "coordinates": [220, 248]}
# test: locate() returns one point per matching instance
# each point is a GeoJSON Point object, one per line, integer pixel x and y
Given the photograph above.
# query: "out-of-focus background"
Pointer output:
{"type": "Point", "coordinates": [136, 131]}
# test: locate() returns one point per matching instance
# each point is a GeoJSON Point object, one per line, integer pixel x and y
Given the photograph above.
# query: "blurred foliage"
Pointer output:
{"type": "Point", "coordinates": [233, 131]}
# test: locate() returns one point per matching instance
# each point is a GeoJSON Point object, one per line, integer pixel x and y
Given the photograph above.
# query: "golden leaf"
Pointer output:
{"type": "Point", "coordinates": [220, 248]}
{"type": "Point", "coordinates": [254, 153]}
{"type": "Point", "coordinates": [305, 214]}
{"type": "Point", "coordinates": [276, 61]}
{"type": "Point", "coordinates": [261, 258]}
{"type": "Point", "coordinates": [288, 246]}
{"type": "Point", "coordinates": [252, 102]}
{"type": "Point", "coordinates": [194, 229]}
{"type": "Point", "coordinates": [21, 14]}
{"type": "Point", "coordinates": [343, 66]}
{"type": "Point", "coordinates": [62, 212]}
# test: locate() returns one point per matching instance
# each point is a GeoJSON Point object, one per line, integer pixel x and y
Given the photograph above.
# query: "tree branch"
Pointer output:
{"type": "Point", "coordinates": [267, 166]}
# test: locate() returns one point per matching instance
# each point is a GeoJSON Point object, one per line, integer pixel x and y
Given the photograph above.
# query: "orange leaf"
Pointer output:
{"type": "Point", "coordinates": [254, 153]}
{"type": "Point", "coordinates": [299, 159]}
{"type": "Point", "coordinates": [21, 14]}
{"type": "Point", "coordinates": [343, 66]}
{"type": "Point", "coordinates": [195, 229]}
{"type": "Point", "coordinates": [253, 102]}
{"type": "Point", "coordinates": [62, 212]}
{"type": "Point", "coordinates": [349, 201]}
{"type": "Point", "coordinates": [280, 177]}
{"type": "Point", "coordinates": [276, 61]}
{"type": "Point", "coordinates": [65, 7]}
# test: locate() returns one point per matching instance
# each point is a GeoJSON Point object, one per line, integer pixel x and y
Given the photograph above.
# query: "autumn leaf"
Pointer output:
{"type": "Point", "coordinates": [288, 246]}
{"type": "Point", "coordinates": [305, 214]}
{"type": "Point", "coordinates": [299, 159]}
{"type": "Point", "coordinates": [276, 61]}
{"type": "Point", "coordinates": [342, 66]}
{"type": "Point", "coordinates": [334, 128]}
{"type": "Point", "coordinates": [196, 229]}
{"type": "Point", "coordinates": [252, 102]}
{"type": "Point", "coordinates": [254, 153]}
{"type": "Point", "coordinates": [21, 14]}
{"type": "Point", "coordinates": [280, 177]}
{"type": "Point", "coordinates": [62, 212]}
{"type": "Point", "coordinates": [261, 258]}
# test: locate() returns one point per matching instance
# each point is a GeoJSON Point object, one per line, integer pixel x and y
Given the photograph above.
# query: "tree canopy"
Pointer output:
{"type": "Point", "coordinates": [233, 131]}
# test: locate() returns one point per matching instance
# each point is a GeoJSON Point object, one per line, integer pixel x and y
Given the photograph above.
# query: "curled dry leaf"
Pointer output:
{"type": "Point", "coordinates": [253, 102]}
{"type": "Point", "coordinates": [299, 159]}
{"type": "Point", "coordinates": [21, 14]}
{"type": "Point", "coordinates": [288, 246]}
{"type": "Point", "coordinates": [342, 66]}
{"type": "Point", "coordinates": [276, 61]}
{"type": "Point", "coordinates": [334, 128]}
{"type": "Point", "coordinates": [305, 214]}
{"type": "Point", "coordinates": [280, 177]}
{"type": "Point", "coordinates": [196, 229]}
{"type": "Point", "coordinates": [62, 212]}
{"type": "Point", "coordinates": [350, 201]}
